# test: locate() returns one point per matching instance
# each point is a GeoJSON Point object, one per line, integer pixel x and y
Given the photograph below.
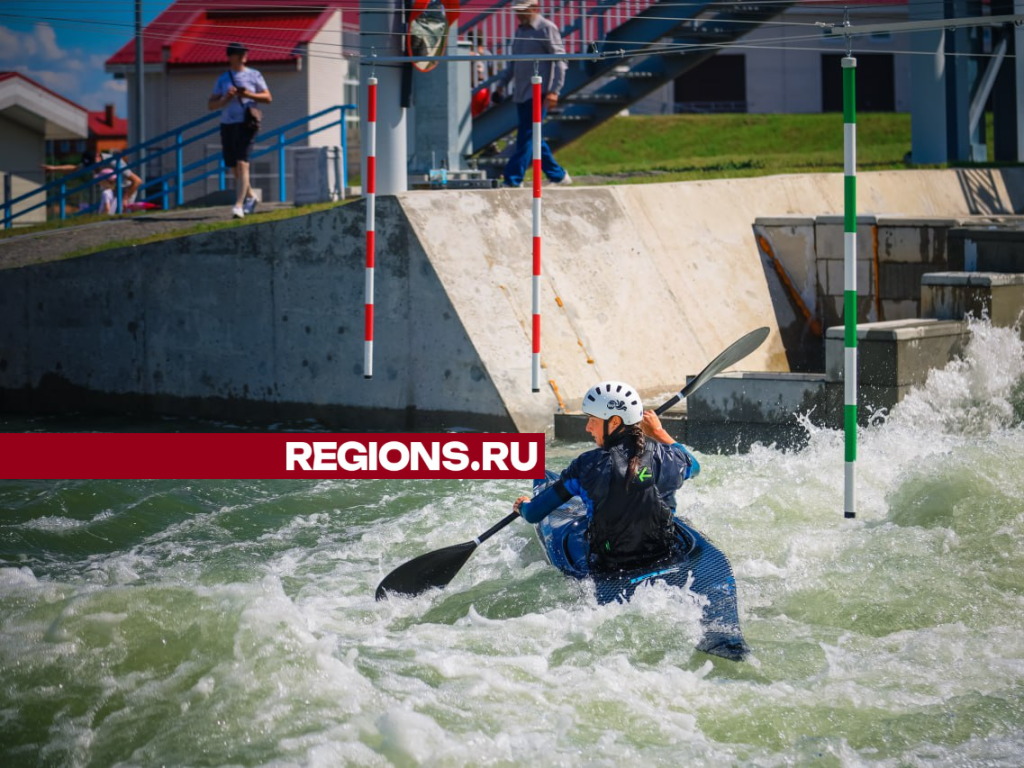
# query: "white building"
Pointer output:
{"type": "Point", "coordinates": [795, 68]}
{"type": "Point", "coordinates": [31, 115]}
{"type": "Point", "coordinates": [298, 51]}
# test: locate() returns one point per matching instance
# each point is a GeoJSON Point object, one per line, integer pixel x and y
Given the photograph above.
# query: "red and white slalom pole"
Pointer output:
{"type": "Point", "coordinates": [536, 231]}
{"type": "Point", "coordinates": [371, 205]}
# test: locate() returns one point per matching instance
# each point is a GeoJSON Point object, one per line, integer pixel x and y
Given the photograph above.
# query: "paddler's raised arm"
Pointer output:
{"type": "Point", "coordinates": [653, 429]}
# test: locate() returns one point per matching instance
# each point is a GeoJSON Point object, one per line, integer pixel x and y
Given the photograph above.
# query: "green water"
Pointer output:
{"type": "Point", "coordinates": [214, 623]}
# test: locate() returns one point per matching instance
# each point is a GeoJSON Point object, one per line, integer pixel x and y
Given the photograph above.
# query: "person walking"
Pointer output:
{"type": "Point", "coordinates": [534, 35]}
{"type": "Point", "coordinates": [234, 93]}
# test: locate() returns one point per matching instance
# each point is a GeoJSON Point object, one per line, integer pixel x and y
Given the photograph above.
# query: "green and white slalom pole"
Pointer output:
{"type": "Point", "coordinates": [850, 281]}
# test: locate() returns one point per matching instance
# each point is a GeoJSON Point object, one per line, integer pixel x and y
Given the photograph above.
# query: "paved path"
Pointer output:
{"type": "Point", "coordinates": [53, 244]}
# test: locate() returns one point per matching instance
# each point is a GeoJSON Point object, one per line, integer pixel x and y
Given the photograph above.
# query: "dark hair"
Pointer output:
{"type": "Point", "coordinates": [635, 434]}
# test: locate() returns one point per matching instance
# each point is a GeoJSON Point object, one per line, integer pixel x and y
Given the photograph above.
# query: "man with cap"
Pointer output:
{"type": "Point", "coordinates": [234, 91]}
{"type": "Point", "coordinates": [534, 35]}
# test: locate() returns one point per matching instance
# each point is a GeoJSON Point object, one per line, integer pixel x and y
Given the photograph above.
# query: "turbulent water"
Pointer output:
{"type": "Point", "coordinates": [212, 623]}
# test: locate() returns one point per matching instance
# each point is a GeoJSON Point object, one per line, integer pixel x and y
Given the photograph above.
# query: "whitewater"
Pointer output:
{"type": "Point", "coordinates": [234, 623]}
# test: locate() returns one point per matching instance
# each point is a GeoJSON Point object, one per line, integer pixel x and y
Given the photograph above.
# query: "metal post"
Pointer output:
{"type": "Point", "coordinates": [63, 199]}
{"type": "Point", "coordinates": [179, 173]}
{"type": "Point", "coordinates": [850, 281]}
{"type": "Point", "coordinates": [344, 152]}
{"type": "Point", "coordinates": [119, 183]}
{"type": "Point", "coordinates": [8, 219]}
{"type": "Point", "coordinates": [140, 106]}
{"type": "Point", "coordinates": [166, 195]}
{"type": "Point", "coordinates": [221, 181]}
{"type": "Point", "coordinates": [281, 185]}
{"type": "Point", "coordinates": [381, 30]}
{"type": "Point", "coordinates": [537, 139]}
{"type": "Point", "coordinates": [370, 191]}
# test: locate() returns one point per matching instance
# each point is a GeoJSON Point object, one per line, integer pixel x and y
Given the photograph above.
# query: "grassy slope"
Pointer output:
{"type": "Point", "coordinates": [677, 147]}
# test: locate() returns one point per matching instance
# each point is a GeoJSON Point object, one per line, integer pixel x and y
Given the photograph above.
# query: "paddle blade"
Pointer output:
{"type": "Point", "coordinates": [738, 350]}
{"type": "Point", "coordinates": [434, 569]}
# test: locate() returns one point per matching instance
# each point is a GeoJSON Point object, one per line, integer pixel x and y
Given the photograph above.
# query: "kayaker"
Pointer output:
{"type": "Point", "coordinates": [628, 482]}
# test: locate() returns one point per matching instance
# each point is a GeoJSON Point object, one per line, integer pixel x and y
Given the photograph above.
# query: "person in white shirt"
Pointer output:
{"type": "Point", "coordinates": [234, 91]}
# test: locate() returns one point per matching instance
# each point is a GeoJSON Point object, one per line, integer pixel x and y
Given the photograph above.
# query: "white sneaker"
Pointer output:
{"type": "Point", "coordinates": [565, 181]}
{"type": "Point", "coordinates": [237, 212]}
{"type": "Point", "coordinates": [249, 206]}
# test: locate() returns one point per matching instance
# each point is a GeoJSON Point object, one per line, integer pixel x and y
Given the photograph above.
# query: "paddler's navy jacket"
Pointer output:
{"type": "Point", "coordinates": [628, 526]}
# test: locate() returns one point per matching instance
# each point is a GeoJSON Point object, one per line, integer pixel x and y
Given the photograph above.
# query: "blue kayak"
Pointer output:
{"type": "Point", "coordinates": [563, 536]}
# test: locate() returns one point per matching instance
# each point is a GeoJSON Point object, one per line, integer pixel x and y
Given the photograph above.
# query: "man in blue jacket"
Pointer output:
{"type": "Point", "coordinates": [534, 35]}
{"type": "Point", "coordinates": [628, 482]}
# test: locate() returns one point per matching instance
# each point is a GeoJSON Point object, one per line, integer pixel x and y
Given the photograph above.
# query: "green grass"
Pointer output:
{"type": "Point", "coordinates": [279, 214]}
{"type": "Point", "coordinates": [685, 147]}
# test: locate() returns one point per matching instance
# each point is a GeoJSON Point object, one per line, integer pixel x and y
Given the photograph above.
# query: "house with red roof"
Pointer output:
{"type": "Point", "coordinates": [107, 133]}
{"type": "Point", "coordinates": [30, 115]}
{"type": "Point", "coordinates": [299, 50]}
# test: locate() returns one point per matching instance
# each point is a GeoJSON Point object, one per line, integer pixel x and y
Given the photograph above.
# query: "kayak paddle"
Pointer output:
{"type": "Point", "coordinates": [438, 568]}
{"type": "Point", "coordinates": [732, 355]}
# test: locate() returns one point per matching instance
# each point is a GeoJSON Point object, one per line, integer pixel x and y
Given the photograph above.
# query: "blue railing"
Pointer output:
{"type": "Point", "coordinates": [171, 186]}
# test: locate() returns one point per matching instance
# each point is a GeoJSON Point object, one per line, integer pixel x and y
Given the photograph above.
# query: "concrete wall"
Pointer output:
{"type": "Point", "coordinates": [257, 322]}
{"type": "Point", "coordinates": [645, 283]}
{"type": "Point", "coordinates": [803, 255]}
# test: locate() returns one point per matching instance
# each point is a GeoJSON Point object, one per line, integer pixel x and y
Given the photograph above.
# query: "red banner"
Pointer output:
{"type": "Point", "coordinates": [97, 456]}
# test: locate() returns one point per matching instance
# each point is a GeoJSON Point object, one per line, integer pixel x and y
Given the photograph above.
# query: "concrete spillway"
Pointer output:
{"type": "Point", "coordinates": [643, 283]}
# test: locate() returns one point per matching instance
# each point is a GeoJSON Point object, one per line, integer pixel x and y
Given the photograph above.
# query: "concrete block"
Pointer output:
{"type": "Point", "coordinates": [828, 237]}
{"type": "Point", "coordinates": [914, 240]}
{"type": "Point", "coordinates": [901, 280]}
{"type": "Point", "coordinates": [821, 268]}
{"type": "Point", "coordinates": [739, 437]}
{"type": "Point", "coordinates": [756, 398]}
{"type": "Point", "coordinates": [895, 353]}
{"type": "Point", "coordinates": [955, 295]}
{"type": "Point", "coordinates": [871, 402]}
{"type": "Point", "coordinates": [900, 309]}
{"type": "Point", "coordinates": [988, 249]}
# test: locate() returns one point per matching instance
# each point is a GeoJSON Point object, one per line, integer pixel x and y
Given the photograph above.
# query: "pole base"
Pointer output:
{"type": "Point", "coordinates": [849, 515]}
{"type": "Point", "coordinates": [367, 376]}
{"type": "Point", "coordinates": [535, 390]}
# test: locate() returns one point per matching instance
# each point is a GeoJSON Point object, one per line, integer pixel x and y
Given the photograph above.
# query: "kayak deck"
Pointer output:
{"type": "Point", "coordinates": [563, 536]}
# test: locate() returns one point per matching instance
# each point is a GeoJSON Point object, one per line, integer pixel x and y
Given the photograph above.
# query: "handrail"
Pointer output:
{"type": "Point", "coordinates": [121, 162]}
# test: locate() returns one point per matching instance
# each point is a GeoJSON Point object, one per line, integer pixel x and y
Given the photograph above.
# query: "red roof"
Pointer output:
{"type": "Point", "coordinates": [105, 124]}
{"type": "Point", "coordinates": [40, 86]}
{"type": "Point", "coordinates": [198, 33]}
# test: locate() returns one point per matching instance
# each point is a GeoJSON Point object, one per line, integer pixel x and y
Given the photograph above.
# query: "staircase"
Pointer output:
{"type": "Point", "coordinates": [597, 90]}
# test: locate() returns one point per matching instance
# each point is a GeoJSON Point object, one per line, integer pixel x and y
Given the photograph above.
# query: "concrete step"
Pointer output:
{"type": "Point", "coordinates": [955, 295]}
{"type": "Point", "coordinates": [892, 358]}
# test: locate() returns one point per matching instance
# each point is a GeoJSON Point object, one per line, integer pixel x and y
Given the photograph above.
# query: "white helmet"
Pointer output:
{"type": "Point", "coordinates": [614, 398]}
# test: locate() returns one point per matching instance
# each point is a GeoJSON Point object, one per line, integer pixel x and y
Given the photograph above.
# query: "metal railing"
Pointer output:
{"type": "Point", "coordinates": [169, 187]}
{"type": "Point", "coordinates": [581, 22]}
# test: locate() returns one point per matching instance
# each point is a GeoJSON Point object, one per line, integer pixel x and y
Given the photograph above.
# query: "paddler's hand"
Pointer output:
{"type": "Point", "coordinates": [651, 426]}
{"type": "Point", "coordinates": [519, 502]}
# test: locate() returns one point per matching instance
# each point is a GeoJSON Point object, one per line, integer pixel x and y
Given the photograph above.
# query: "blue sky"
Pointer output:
{"type": "Point", "coordinates": [64, 43]}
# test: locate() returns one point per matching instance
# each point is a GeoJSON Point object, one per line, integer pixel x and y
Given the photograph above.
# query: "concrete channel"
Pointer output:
{"type": "Point", "coordinates": [644, 283]}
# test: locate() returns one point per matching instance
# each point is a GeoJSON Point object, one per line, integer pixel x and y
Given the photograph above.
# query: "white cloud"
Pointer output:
{"type": "Point", "coordinates": [40, 43]}
{"type": "Point", "coordinates": [71, 72]}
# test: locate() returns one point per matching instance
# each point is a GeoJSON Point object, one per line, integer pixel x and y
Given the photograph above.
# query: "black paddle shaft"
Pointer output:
{"type": "Point", "coordinates": [736, 351]}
